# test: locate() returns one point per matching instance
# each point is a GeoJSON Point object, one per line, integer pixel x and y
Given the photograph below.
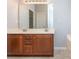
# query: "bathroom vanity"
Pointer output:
{"type": "Point", "coordinates": [33, 42]}
{"type": "Point", "coordinates": [33, 36]}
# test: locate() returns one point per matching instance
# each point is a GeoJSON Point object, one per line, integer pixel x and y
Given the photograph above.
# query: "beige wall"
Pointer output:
{"type": "Point", "coordinates": [12, 14]}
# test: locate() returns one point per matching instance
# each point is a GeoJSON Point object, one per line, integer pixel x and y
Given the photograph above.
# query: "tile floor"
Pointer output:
{"type": "Point", "coordinates": [59, 54]}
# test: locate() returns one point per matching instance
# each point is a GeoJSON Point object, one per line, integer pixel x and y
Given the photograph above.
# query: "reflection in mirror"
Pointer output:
{"type": "Point", "coordinates": [30, 19]}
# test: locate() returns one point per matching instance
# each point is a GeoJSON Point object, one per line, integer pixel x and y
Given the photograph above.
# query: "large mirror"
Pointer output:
{"type": "Point", "coordinates": [35, 16]}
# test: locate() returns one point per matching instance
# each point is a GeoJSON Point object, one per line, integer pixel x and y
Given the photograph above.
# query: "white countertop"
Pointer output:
{"type": "Point", "coordinates": [30, 31]}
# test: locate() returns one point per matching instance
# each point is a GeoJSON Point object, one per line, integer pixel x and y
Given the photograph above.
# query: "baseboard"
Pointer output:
{"type": "Point", "coordinates": [60, 48]}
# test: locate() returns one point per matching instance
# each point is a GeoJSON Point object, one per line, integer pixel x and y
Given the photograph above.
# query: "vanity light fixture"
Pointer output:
{"type": "Point", "coordinates": [34, 1]}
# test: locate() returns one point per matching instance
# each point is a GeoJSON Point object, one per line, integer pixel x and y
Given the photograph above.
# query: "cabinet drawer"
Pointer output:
{"type": "Point", "coordinates": [28, 42]}
{"type": "Point", "coordinates": [27, 36]}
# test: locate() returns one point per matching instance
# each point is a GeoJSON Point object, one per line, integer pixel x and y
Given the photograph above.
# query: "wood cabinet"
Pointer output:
{"type": "Point", "coordinates": [30, 45]}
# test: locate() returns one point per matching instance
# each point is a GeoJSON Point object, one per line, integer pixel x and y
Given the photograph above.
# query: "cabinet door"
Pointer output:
{"type": "Point", "coordinates": [42, 45]}
{"type": "Point", "coordinates": [14, 44]}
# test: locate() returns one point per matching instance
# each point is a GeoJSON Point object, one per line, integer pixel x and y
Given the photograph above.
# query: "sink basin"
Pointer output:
{"type": "Point", "coordinates": [46, 30]}
{"type": "Point", "coordinates": [24, 30]}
